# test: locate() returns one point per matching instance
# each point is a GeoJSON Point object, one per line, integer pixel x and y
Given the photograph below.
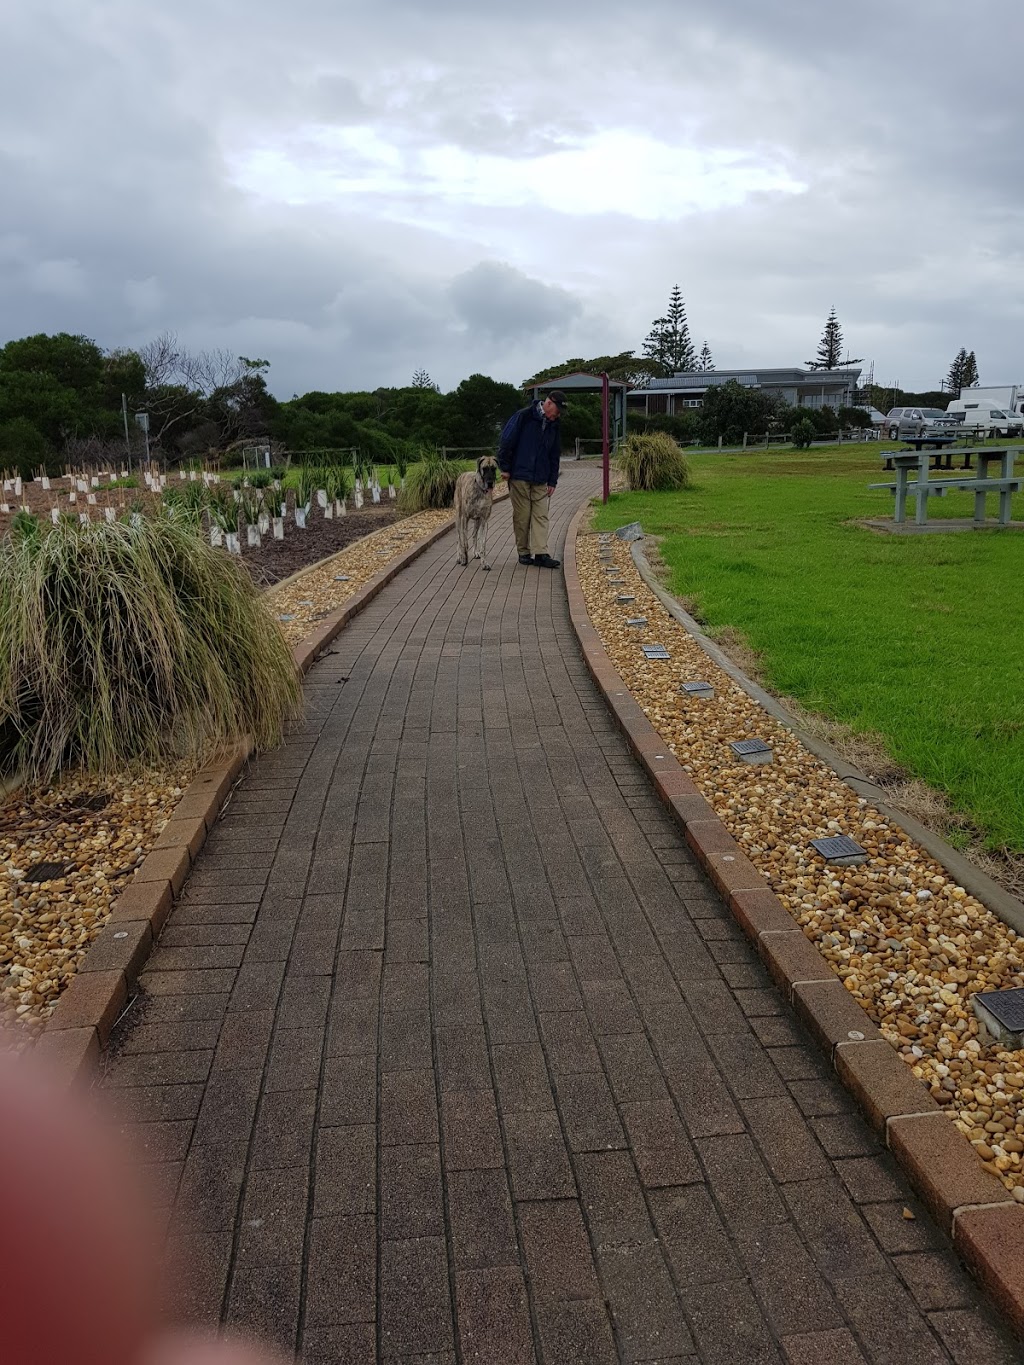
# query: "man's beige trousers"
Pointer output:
{"type": "Point", "coordinates": [530, 516]}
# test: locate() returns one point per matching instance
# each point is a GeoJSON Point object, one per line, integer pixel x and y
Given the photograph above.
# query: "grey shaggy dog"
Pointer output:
{"type": "Point", "coordinates": [473, 493]}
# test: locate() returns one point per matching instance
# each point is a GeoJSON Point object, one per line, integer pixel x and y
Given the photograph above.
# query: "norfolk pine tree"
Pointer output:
{"type": "Point", "coordinates": [955, 378]}
{"type": "Point", "coordinates": [830, 347]}
{"type": "Point", "coordinates": [668, 341]}
{"type": "Point", "coordinates": [705, 363]}
{"type": "Point", "coordinates": [971, 376]}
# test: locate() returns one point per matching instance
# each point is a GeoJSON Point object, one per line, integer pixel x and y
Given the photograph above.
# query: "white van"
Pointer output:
{"type": "Point", "coordinates": [978, 413]}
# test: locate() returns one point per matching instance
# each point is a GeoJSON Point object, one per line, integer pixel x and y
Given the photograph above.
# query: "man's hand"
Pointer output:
{"type": "Point", "coordinates": [551, 489]}
{"type": "Point", "coordinates": [505, 475]}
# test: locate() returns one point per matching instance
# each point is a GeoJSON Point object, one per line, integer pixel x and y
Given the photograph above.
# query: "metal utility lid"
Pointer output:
{"type": "Point", "coordinates": [840, 848]}
{"type": "Point", "coordinates": [1006, 1007]}
{"type": "Point", "coordinates": [655, 651]}
{"type": "Point", "coordinates": [750, 746]}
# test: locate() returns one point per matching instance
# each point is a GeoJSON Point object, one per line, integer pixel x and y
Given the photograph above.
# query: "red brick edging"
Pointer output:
{"type": "Point", "coordinates": [89, 1006]}
{"type": "Point", "coordinates": [970, 1204]}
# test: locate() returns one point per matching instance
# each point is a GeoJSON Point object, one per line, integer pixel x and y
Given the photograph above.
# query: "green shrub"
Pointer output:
{"type": "Point", "coordinates": [132, 642]}
{"type": "Point", "coordinates": [431, 483]}
{"type": "Point", "coordinates": [653, 461]}
{"type": "Point", "coordinates": [803, 433]}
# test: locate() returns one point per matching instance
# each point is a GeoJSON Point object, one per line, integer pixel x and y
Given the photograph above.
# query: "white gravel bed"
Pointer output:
{"type": "Point", "coordinates": [302, 601]}
{"type": "Point", "coordinates": [908, 943]}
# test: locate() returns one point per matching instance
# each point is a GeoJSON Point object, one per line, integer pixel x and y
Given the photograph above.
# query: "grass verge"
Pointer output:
{"type": "Point", "coordinates": [915, 639]}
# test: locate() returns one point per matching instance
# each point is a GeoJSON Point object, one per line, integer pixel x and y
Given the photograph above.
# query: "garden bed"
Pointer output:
{"type": "Point", "coordinates": [271, 562]}
{"type": "Point", "coordinates": [96, 832]}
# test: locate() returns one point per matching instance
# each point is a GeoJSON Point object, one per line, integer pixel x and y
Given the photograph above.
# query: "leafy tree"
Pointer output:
{"type": "Point", "coordinates": [243, 407]}
{"type": "Point", "coordinates": [625, 366]}
{"type": "Point", "coordinates": [830, 347]}
{"type": "Point", "coordinates": [74, 362]}
{"type": "Point", "coordinates": [970, 375]}
{"type": "Point", "coordinates": [803, 433]}
{"type": "Point", "coordinates": [24, 448]}
{"type": "Point", "coordinates": [668, 342]}
{"type": "Point", "coordinates": [53, 409]}
{"type": "Point", "coordinates": [730, 409]}
{"type": "Point", "coordinates": [478, 408]}
{"type": "Point", "coordinates": [705, 363]}
{"type": "Point", "coordinates": [422, 380]}
{"type": "Point", "coordinates": [63, 385]}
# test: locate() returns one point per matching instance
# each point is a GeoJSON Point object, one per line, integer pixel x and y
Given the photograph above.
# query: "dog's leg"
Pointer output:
{"type": "Point", "coordinates": [463, 539]}
{"type": "Point", "coordinates": [482, 540]}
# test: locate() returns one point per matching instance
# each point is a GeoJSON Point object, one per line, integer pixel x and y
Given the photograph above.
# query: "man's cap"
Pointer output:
{"type": "Point", "coordinates": [559, 399]}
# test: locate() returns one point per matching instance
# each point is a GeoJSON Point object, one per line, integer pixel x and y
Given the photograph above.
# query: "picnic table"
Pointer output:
{"type": "Point", "coordinates": [921, 487]}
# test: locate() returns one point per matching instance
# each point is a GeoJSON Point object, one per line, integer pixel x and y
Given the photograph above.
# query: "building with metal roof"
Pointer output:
{"type": "Point", "coordinates": [798, 387]}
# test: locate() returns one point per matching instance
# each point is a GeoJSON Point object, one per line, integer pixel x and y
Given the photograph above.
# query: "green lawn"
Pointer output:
{"type": "Point", "coordinates": [918, 639]}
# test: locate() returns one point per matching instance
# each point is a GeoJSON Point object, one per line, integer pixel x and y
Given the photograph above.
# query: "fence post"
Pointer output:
{"type": "Point", "coordinates": [577, 447]}
{"type": "Point", "coordinates": [744, 440]}
{"type": "Point", "coordinates": [719, 443]}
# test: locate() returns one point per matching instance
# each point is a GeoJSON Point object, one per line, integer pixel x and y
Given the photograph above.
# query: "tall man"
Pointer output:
{"type": "Point", "coordinates": [528, 456]}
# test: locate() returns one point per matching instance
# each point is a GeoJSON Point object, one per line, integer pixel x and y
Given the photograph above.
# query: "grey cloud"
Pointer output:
{"type": "Point", "coordinates": [119, 216]}
{"type": "Point", "coordinates": [500, 301]}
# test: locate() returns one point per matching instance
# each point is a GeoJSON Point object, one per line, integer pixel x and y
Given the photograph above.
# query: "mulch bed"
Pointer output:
{"type": "Point", "coordinates": [277, 559]}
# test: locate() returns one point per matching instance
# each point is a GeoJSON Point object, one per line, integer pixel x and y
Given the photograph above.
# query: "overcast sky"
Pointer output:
{"type": "Point", "coordinates": [355, 191]}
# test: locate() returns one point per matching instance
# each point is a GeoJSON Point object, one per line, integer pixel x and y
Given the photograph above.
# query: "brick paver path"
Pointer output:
{"type": "Point", "coordinates": [450, 1052]}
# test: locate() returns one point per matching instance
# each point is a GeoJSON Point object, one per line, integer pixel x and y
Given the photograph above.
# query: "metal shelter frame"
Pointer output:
{"type": "Point", "coordinates": [613, 409]}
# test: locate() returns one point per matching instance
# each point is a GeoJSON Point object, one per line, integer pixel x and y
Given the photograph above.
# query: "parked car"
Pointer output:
{"type": "Point", "coordinates": [878, 419]}
{"type": "Point", "coordinates": [922, 426]}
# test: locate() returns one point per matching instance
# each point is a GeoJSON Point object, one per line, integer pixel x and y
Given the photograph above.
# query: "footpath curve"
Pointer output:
{"type": "Point", "coordinates": [451, 1052]}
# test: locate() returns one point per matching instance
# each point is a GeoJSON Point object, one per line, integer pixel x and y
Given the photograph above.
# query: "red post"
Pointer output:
{"type": "Point", "coordinates": [605, 452]}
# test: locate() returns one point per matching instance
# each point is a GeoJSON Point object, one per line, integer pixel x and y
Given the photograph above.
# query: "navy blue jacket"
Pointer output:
{"type": "Point", "coordinates": [531, 447]}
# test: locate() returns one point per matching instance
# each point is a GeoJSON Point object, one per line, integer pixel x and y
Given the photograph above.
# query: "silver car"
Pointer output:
{"type": "Point", "coordinates": [922, 426]}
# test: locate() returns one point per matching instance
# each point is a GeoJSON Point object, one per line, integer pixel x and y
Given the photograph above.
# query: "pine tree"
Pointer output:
{"type": "Point", "coordinates": [970, 375]}
{"type": "Point", "coordinates": [422, 380]}
{"type": "Point", "coordinates": [955, 378]}
{"type": "Point", "coordinates": [668, 341]}
{"type": "Point", "coordinates": [830, 347]}
{"type": "Point", "coordinates": [704, 361]}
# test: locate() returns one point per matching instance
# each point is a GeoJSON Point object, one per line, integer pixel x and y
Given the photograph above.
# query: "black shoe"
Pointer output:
{"type": "Point", "coordinates": [526, 559]}
{"type": "Point", "coordinates": [546, 562]}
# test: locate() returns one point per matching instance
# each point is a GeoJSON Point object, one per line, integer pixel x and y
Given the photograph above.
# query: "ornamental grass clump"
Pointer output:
{"type": "Point", "coordinates": [132, 643]}
{"type": "Point", "coordinates": [431, 483]}
{"type": "Point", "coordinates": [653, 461]}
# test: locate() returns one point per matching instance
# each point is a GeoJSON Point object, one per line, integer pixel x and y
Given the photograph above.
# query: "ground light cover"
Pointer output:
{"type": "Point", "coordinates": [908, 943]}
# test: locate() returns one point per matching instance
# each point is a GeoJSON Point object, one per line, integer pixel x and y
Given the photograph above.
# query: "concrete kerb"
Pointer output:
{"type": "Point", "coordinates": [971, 1205]}
{"type": "Point", "coordinates": [82, 1020]}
